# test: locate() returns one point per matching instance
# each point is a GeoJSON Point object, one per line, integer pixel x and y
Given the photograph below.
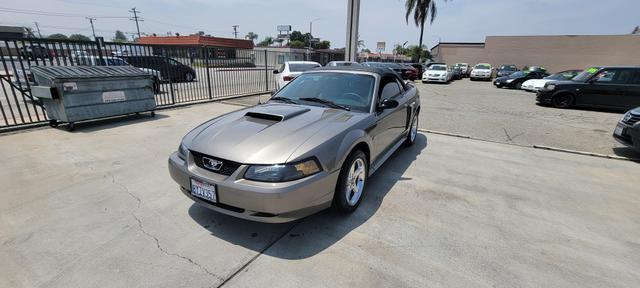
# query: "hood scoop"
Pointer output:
{"type": "Point", "coordinates": [275, 112]}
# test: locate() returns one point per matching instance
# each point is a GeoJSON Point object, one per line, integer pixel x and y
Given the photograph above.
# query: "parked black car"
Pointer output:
{"type": "Point", "coordinates": [627, 131]}
{"type": "Point", "coordinates": [169, 68]}
{"type": "Point", "coordinates": [506, 70]}
{"type": "Point", "coordinates": [609, 87]}
{"type": "Point", "coordinates": [516, 79]}
{"type": "Point", "coordinates": [32, 52]}
{"type": "Point", "coordinates": [457, 73]}
{"type": "Point", "coordinates": [402, 70]}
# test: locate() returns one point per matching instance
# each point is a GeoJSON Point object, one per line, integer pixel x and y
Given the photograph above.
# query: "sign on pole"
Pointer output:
{"type": "Point", "coordinates": [381, 46]}
{"type": "Point", "coordinates": [284, 28]}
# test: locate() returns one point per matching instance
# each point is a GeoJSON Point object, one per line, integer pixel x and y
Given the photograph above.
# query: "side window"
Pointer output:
{"type": "Point", "coordinates": [636, 78]}
{"type": "Point", "coordinates": [606, 76]}
{"type": "Point", "coordinates": [390, 89]}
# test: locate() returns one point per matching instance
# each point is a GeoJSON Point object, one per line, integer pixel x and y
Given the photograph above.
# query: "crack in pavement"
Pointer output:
{"type": "Point", "coordinates": [507, 133]}
{"type": "Point", "coordinates": [163, 250]}
{"type": "Point", "coordinates": [235, 273]}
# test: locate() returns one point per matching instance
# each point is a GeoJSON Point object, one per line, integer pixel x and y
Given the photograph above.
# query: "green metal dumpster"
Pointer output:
{"type": "Point", "coordinates": [76, 93]}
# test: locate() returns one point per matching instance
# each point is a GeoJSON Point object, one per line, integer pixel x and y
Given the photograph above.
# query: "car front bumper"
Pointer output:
{"type": "Point", "coordinates": [435, 79]}
{"type": "Point", "coordinates": [481, 76]}
{"type": "Point", "coordinates": [257, 201]}
{"type": "Point", "coordinates": [543, 96]}
{"type": "Point", "coordinates": [629, 135]}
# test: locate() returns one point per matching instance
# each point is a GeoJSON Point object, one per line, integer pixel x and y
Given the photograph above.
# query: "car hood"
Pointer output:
{"type": "Point", "coordinates": [265, 134]}
{"type": "Point", "coordinates": [635, 111]}
{"type": "Point", "coordinates": [482, 70]}
{"type": "Point", "coordinates": [503, 79]}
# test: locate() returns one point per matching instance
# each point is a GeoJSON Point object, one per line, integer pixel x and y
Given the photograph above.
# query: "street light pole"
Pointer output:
{"type": "Point", "coordinates": [92, 29]}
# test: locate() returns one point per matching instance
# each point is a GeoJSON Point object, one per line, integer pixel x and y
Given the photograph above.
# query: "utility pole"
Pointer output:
{"type": "Point", "coordinates": [136, 18]}
{"type": "Point", "coordinates": [235, 30]}
{"type": "Point", "coordinates": [92, 29]}
{"type": "Point", "coordinates": [38, 28]}
{"type": "Point", "coordinates": [353, 19]}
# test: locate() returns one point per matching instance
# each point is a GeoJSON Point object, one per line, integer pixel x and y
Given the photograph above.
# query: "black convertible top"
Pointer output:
{"type": "Point", "coordinates": [376, 70]}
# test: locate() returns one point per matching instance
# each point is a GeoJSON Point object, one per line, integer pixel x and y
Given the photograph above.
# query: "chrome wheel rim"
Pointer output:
{"type": "Point", "coordinates": [355, 181]}
{"type": "Point", "coordinates": [414, 128]}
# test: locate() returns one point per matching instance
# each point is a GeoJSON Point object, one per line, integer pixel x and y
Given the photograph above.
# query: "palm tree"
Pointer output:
{"type": "Point", "coordinates": [422, 10]}
{"type": "Point", "coordinates": [251, 36]}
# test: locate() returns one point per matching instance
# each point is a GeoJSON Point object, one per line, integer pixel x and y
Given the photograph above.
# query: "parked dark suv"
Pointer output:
{"type": "Point", "coordinates": [627, 131]}
{"type": "Point", "coordinates": [608, 87]}
{"type": "Point", "coordinates": [170, 69]}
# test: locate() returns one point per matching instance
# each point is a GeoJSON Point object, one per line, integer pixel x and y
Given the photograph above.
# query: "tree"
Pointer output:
{"type": "Point", "coordinates": [422, 10]}
{"type": "Point", "coordinates": [324, 44]}
{"type": "Point", "coordinates": [251, 36]}
{"type": "Point", "coordinates": [360, 43]}
{"type": "Point", "coordinates": [398, 49]}
{"type": "Point", "coordinates": [416, 53]}
{"type": "Point", "coordinates": [79, 37]}
{"type": "Point", "coordinates": [120, 37]}
{"type": "Point", "coordinates": [58, 36]}
{"type": "Point", "coordinates": [296, 36]}
{"type": "Point", "coordinates": [365, 50]}
{"type": "Point", "coordinates": [296, 44]}
{"type": "Point", "coordinates": [266, 42]}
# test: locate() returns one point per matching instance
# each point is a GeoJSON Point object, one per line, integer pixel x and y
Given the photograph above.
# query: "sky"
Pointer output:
{"type": "Point", "coordinates": [380, 20]}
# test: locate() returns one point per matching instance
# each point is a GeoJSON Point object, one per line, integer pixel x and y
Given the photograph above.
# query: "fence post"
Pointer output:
{"type": "Point", "coordinates": [166, 64]}
{"type": "Point", "coordinates": [266, 72]}
{"type": "Point", "coordinates": [206, 65]}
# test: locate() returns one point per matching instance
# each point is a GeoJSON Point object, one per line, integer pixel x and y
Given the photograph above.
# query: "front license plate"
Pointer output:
{"type": "Point", "coordinates": [204, 190]}
{"type": "Point", "coordinates": [619, 130]}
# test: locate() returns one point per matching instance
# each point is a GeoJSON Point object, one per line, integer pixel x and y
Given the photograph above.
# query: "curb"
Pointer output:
{"type": "Point", "coordinates": [535, 146]}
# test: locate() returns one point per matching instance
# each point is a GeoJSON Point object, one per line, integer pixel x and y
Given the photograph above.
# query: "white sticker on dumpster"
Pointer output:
{"type": "Point", "coordinates": [70, 86]}
{"type": "Point", "coordinates": [113, 96]}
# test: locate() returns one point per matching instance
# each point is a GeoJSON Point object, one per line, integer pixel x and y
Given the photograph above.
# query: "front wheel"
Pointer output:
{"type": "Point", "coordinates": [188, 77]}
{"type": "Point", "coordinates": [562, 100]}
{"type": "Point", "coordinates": [351, 182]}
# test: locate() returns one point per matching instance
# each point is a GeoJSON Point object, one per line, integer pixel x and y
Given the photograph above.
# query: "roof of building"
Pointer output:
{"type": "Point", "coordinates": [459, 43]}
{"type": "Point", "coordinates": [197, 40]}
{"type": "Point", "coordinates": [12, 29]}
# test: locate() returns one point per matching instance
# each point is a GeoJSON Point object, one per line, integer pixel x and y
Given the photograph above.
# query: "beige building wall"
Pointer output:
{"type": "Point", "coordinates": [555, 53]}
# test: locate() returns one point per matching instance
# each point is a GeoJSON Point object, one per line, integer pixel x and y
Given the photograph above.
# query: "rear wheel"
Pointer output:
{"type": "Point", "coordinates": [562, 100]}
{"type": "Point", "coordinates": [351, 182]}
{"type": "Point", "coordinates": [188, 77]}
{"type": "Point", "coordinates": [413, 131]}
{"type": "Point", "coordinates": [518, 86]}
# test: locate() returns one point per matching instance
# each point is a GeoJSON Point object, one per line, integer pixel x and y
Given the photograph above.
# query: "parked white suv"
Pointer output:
{"type": "Point", "coordinates": [481, 71]}
{"type": "Point", "coordinates": [291, 69]}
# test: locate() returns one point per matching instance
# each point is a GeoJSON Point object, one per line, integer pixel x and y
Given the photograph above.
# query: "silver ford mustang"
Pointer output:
{"type": "Point", "coordinates": [311, 146]}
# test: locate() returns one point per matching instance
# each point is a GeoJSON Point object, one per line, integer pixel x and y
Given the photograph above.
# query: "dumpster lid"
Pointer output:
{"type": "Point", "coordinates": [66, 72]}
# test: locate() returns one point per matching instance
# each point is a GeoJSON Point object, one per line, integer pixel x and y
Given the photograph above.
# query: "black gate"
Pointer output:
{"type": "Point", "coordinates": [182, 73]}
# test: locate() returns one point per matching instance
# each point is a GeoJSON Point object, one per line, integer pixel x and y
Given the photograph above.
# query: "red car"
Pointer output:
{"type": "Point", "coordinates": [412, 73]}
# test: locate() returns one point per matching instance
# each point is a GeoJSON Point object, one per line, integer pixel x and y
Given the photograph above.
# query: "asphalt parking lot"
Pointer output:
{"type": "Point", "coordinates": [97, 208]}
{"type": "Point", "coordinates": [479, 110]}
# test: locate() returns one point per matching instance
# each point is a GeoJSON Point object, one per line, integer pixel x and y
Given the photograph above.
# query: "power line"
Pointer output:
{"type": "Point", "coordinates": [53, 14]}
{"type": "Point", "coordinates": [136, 18]}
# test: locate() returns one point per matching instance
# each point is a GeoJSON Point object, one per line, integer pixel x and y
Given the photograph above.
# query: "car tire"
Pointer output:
{"type": "Point", "coordinates": [351, 182]}
{"type": "Point", "coordinates": [413, 130]}
{"type": "Point", "coordinates": [518, 86]}
{"type": "Point", "coordinates": [562, 100]}
{"type": "Point", "coordinates": [188, 77]}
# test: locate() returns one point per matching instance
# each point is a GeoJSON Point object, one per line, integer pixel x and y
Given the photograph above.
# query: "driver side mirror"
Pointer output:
{"type": "Point", "coordinates": [387, 104]}
{"type": "Point", "coordinates": [276, 71]}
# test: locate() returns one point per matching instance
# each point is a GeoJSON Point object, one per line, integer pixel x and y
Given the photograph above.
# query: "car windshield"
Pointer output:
{"type": "Point", "coordinates": [508, 68]}
{"type": "Point", "coordinates": [301, 67]}
{"type": "Point", "coordinates": [566, 75]}
{"type": "Point", "coordinates": [518, 74]}
{"type": "Point", "coordinates": [116, 62]}
{"type": "Point", "coordinates": [482, 66]}
{"type": "Point", "coordinates": [438, 68]}
{"type": "Point", "coordinates": [351, 90]}
{"type": "Point", "coordinates": [586, 74]}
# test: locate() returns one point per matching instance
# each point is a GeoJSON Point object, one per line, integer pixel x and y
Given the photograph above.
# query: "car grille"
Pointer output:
{"type": "Point", "coordinates": [632, 120]}
{"type": "Point", "coordinates": [228, 167]}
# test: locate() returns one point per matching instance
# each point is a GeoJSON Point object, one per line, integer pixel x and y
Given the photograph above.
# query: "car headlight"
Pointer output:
{"type": "Point", "coordinates": [182, 151]}
{"type": "Point", "coordinates": [282, 172]}
{"type": "Point", "coordinates": [444, 75]}
{"type": "Point", "coordinates": [510, 80]}
{"type": "Point", "coordinates": [549, 87]}
{"type": "Point", "coordinates": [626, 117]}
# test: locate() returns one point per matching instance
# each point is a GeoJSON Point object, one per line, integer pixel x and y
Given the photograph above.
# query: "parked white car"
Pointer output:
{"type": "Point", "coordinates": [533, 85]}
{"type": "Point", "coordinates": [437, 73]}
{"type": "Point", "coordinates": [342, 63]}
{"type": "Point", "coordinates": [290, 69]}
{"type": "Point", "coordinates": [482, 71]}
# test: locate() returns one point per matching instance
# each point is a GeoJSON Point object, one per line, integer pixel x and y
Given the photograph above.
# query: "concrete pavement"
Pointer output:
{"type": "Point", "coordinates": [96, 207]}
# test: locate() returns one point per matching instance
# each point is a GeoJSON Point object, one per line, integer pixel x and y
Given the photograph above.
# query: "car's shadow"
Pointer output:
{"type": "Point", "coordinates": [627, 152]}
{"type": "Point", "coordinates": [309, 236]}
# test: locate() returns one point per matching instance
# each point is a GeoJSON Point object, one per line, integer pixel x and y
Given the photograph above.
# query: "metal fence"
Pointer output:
{"type": "Point", "coordinates": [184, 73]}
